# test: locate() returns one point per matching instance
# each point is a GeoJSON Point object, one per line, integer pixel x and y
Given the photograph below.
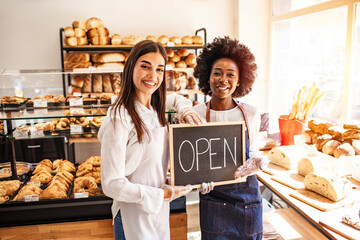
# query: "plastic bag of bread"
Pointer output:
{"type": "Point", "coordinates": [287, 157]}
{"type": "Point", "coordinates": [328, 185]}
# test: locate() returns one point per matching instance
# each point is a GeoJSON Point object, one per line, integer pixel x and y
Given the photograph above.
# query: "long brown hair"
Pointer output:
{"type": "Point", "coordinates": [127, 91]}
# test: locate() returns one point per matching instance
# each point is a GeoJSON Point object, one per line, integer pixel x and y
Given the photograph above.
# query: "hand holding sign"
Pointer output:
{"type": "Point", "coordinates": [251, 167]}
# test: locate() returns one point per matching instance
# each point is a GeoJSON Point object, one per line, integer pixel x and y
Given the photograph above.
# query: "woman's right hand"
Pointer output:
{"type": "Point", "coordinates": [174, 192]}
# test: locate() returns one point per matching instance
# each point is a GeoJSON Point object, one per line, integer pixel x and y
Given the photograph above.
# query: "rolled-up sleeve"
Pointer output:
{"type": "Point", "coordinates": [114, 141]}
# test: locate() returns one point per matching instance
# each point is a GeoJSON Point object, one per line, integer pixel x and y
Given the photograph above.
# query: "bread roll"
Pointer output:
{"type": "Point", "coordinates": [181, 64]}
{"type": "Point", "coordinates": [329, 186]}
{"type": "Point", "coordinates": [175, 58]}
{"type": "Point", "coordinates": [171, 63]}
{"type": "Point", "coordinates": [106, 83]}
{"type": "Point", "coordinates": [191, 84]}
{"type": "Point", "coordinates": [190, 59]}
{"type": "Point", "coordinates": [319, 126]}
{"type": "Point", "coordinates": [320, 141]}
{"type": "Point", "coordinates": [77, 57]}
{"type": "Point", "coordinates": [116, 39]}
{"type": "Point", "coordinates": [102, 31]}
{"type": "Point", "coordinates": [352, 125]}
{"type": "Point", "coordinates": [152, 38]}
{"type": "Point", "coordinates": [192, 65]}
{"type": "Point", "coordinates": [70, 41]}
{"type": "Point", "coordinates": [175, 40]}
{"type": "Point", "coordinates": [82, 41]}
{"type": "Point", "coordinates": [286, 156]}
{"type": "Point", "coordinates": [92, 33]}
{"type": "Point", "coordinates": [310, 164]}
{"type": "Point", "coordinates": [130, 40]}
{"type": "Point", "coordinates": [95, 41]}
{"type": "Point", "coordinates": [87, 86]}
{"type": "Point", "coordinates": [182, 52]}
{"type": "Point", "coordinates": [163, 39]}
{"type": "Point", "coordinates": [97, 83]}
{"type": "Point", "coordinates": [197, 40]}
{"type": "Point", "coordinates": [104, 40]}
{"type": "Point", "coordinates": [308, 136]}
{"type": "Point", "coordinates": [69, 32]}
{"type": "Point", "coordinates": [77, 81]}
{"type": "Point", "coordinates": [356, 145]}
{"type": "Point", "coordinates": [315, 137]}
{"type": "Point", "coordinates": [111, 65]}
{"type": "Point", "coordinates": [351, 134]}
{"type": "Point", "coordinates": [187, 40]}
{"type": "Point", "coordinates": [79, 24]}
{"type": "Point", "coordinates": [79, 32]}
{"type": "Point", "coordinates": [93, 23]}
{"type": "Point", "coordinates": [330, 147]}
{"type": "Point", "coordinates": [111, 57]}
{"type": "Point", "coordinates": [344, 149]}
{"type": "Point", "coordinates": [94, 57]}
{"type": "Point", "coordinates": [73, 89]}
{"type": "Point", "coordinates": [71, 65]}
{"type": "Point", "coordinates": [169, 52]}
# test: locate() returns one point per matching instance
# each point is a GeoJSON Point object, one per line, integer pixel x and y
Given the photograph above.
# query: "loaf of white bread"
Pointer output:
{"type": "Point", "coordinates": [327, 185]}
{"type": "Point", "coordinates": [287, 156]}
{"type": "Point", "coordinates": [311, 164]}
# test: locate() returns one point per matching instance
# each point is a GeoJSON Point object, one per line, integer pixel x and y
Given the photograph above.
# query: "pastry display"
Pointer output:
{"type": "Point", "coordinates": [29, 189]}
{"type": "Point", "coordinates": [22, 168]}
{"type": "Point", "coordinates": [7, 189]}
{"type": "Point", "coordinates": [86, 184]}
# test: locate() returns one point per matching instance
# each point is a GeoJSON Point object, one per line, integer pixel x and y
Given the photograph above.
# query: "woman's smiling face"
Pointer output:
{"type": "Point", "coordinates": [148, 74]}
{"type": "Point", "coordinates": [224, 78]}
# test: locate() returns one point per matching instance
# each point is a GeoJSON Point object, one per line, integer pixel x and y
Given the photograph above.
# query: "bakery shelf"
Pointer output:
{"type": "Point", "coordinates": [121, 47]}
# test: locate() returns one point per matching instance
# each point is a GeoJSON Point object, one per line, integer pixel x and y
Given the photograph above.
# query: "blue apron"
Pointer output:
{"type": "Point", "coordinates": [233, 211]}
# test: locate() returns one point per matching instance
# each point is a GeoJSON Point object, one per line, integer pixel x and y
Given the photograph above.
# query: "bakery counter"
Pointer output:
{"type": "Point", "coordinates": [323, 220]}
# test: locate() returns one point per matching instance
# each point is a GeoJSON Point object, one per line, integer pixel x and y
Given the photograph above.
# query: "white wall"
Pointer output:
{"type": "Point", "coordinates": [30, 29]}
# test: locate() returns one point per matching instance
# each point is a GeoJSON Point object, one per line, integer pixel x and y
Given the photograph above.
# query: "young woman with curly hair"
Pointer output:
{"type": "Point", "coordinates": [226, 70]}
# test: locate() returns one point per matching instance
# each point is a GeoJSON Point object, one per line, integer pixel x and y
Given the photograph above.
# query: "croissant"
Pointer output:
{"type": "Point", "coordinates": [29, 189]}
{"type": "Point", "coordinates": [10, 186]}
{"type": "Point", "coordinates": [54, 190]}
{"type": "Point", "coordinates": [40, 168]}
{"type": "Point", "coordinates": [43, 177]}
{"type": "Point", "coordinates": [46, 162]}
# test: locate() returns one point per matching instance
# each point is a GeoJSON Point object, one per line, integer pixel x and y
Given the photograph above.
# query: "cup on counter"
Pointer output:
{"type": "Point", "coordinates": [289, 128]}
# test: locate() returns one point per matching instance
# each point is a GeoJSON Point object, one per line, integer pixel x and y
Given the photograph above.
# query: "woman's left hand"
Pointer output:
{"type": "Point", "coordinates": [188, 115]}
{"type": "Point", "coordinates": [251, 166]}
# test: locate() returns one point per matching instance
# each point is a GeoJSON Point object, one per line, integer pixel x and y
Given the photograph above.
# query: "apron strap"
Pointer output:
{"type": "Point", "coordinates": [241, 108]}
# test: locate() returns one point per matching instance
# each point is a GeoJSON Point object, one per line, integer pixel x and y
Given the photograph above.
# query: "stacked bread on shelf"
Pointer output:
{"type": "Point", "coordinates": [109, 60]}
{"type": "Point", "coordinates": [76, 35]}
{"type": "Point", "coordinates": [334, 140]}
{"type": "Point", "coordinates": [181, 58]}
{"type": "Point", "coordinates": [88, 176]}
{"type": "Point", "coordinates": [95, 83]}
{"type": "Point", "coordinates": [76, 60]}
{"type": "Point", "coordinates": [1, 126]}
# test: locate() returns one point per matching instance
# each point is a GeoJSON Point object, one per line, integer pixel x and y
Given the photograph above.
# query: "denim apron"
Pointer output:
{"type": "Point", "coordinates": [232, 211]}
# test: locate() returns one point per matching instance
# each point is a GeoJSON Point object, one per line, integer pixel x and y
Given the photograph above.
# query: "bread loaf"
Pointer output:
{"type": "Point", "coordinates": [320, 141]}
{"type": "Point", "coordinates": [102, 31]}
{"type": "Point", "coordinates": [79, 24]}
{"type": "Point", "coordinates": [175, 58]}
{"type": "Point", "coordinates": [351, 134]}
{"type": "Point", "coordinates": [97, 83]}
{"type": "Point", "coordinates": [77, 57]}
{"type": "Point", "coordinates": [187, 40]}
{"type": "Point", "coordinates": [116, 39]}
{"type": "Point", "coordinates": [69, 32]}
{"type": "Point", "coordinates": [115, 81]}
{"type": "Point", "coordinates": [190, 59]}
{"type": "Point", "coordinates": [336, 132]}
{"type": "Point", "coordinates": [110, 65]}
{"type": "Point", "coordinates": [329, 186]}
{"type": "Point", "coordinates": [110, 57]}
{"type": "Point", "coordinates": [70, 41]}
{"type": "Point", "coordinates": [319, 126]}
{"type": "Point", "coordinates": [152, 38]}
{"type": "Point", "coordinates": [104, 40]}
{"type": "Point", "coordinates": [95, 40]}
{"type": "Point", "coordinates": [87, 86]}
{"type": "Point", "coordinates": [73, 89]}
{"type": "Point", "coordinates": [94, 57]}
{"type": "Point", "coordinates": [310, 164]}
{"type": "Point", "coordinates": [197, 40]}
{"type": "Point", "coordinates": [308, 136]}
{"type": "Point", "coordinates": [287, 156]}
{"type": "Point", "coordinates": [82, 41]}
{"type": "Point", "coordinates": [71, 65]}
{"type": "Point", "coordinates": [182, 52]}
{"type": "Point", "coordinates": [92, 33]}
{"type": "Point", "coordinates": [93, 23]}
{"type": "Point", "coordinates": [77, 81]}
{"type": "Point", "coordinates": [130, 40]}
{"type": "Point", "coordinates": [344, 149]}
{"type": "Point", "coordinates": [175, 40]}
{"type": "Point", "coordinates": [163, 39]}
{"type": "Point", "coordinates": [169, 52]}
{"type": "Point", "coordinates": [79, 32]}
{"type": "Point", "coordinates": [106, 83]}
{"type": "Point", "coordinates": [330, 147]}
{"type": "Point", "coordinates": [181, 64]}
{"type": "Point", "coordinates": [352, 125]}
{"type": "Point", "coordinates": [356, 145]}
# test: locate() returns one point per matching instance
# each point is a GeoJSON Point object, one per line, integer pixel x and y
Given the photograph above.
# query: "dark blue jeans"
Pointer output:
{"type": "Point", "coordinates": [232, 211]}
{"type": "Point", "coordinates": [118, 227]}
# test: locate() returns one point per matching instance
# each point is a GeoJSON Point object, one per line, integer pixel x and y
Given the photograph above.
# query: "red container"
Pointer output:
{"type": "Point", "coordinates": [288, 128]}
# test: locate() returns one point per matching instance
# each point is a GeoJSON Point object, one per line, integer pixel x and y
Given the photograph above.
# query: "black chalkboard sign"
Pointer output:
{"type": "Point", "coordinates": [205, 153]}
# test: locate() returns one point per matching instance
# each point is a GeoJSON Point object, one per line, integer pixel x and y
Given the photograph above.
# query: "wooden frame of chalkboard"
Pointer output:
{"type": "Point", "coordinates": [205, 153]}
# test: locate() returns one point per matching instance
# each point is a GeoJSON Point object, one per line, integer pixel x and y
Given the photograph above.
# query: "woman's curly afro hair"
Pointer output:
{"type": "Point", "coordinates": [226, 48]}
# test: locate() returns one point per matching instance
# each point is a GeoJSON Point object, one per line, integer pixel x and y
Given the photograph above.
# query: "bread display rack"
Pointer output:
{"type": "Point", "coordinates": [21, 148]}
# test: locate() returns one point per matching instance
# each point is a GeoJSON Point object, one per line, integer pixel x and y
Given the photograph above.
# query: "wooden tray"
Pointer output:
{"type": "Point", "coordinates": [273, 169]}
{"type": "Point", "coordinates": [322, 203]}
{"type": "Point", "coordinates": [290, 179]}
{"type": "Point", "coordinates": [337, 226]}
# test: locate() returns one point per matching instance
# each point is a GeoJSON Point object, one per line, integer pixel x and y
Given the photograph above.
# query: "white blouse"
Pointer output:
{"type": "Point", "coordinates": [235, 114]}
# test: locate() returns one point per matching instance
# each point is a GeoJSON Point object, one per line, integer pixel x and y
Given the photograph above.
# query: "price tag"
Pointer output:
{"type": "Point", "coordinates": [76, 102]}
{"type": "Point", "coordinates": [40, 103]}
{"type": "Point", "coordinates": [170, 44]}
{"type": "Point", "coordinates": [41, 112]}
{"type": "Point", "coordinates": [76, 128]}
{"type": "Point", "coordinates": [35, 183]}
{"type": "Point", "coordinates": [78, 94]}
{"type": "Point", "coordinates": [113, 99]}
{"type": "Point", "coordinates": [81, 195]}
{"type": "Point", "coordinates": [76, 111]}
{"type": "Point", "coordinates": [31, 198]}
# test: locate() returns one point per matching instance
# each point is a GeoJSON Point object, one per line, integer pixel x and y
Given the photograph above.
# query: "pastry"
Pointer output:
{"type": "Point", "coordinates": [86, 184]}
{"type": "Point", "coordinates": [320, 141]}
{"type": "Point", "coordinates": [319, 126]}
{"type": "Point", "coordinates": [344, 149]}
{"type": "Point", "coordinates": [356, 145]}
{"type": "Point", "coordinates": [351, 134]}
{"type": "Point", "coordinates": [329, 147]}
{"type": "Point", "coordinates": [308, 136]}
